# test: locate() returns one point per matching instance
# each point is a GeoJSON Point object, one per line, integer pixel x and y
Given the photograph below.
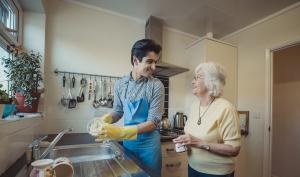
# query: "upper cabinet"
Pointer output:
{"type": "Point", "coordinates": [212, 50]}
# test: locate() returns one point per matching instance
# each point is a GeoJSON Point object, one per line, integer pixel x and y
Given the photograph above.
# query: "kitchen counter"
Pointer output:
{"type": "Point", "coordinates": [167, 135]}
{"type": "Point", "coordinates": [82, 138]}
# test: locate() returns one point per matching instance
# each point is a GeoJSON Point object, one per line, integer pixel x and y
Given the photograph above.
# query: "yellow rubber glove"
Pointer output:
{"type": "Point", "coordinates": [101, 138]}
{"type": "Point", "coordinates": [114, 132]}
{"type": "Point", "coordinates": [107, 118]}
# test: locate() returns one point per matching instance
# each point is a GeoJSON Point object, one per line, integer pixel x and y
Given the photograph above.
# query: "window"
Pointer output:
{"type": "Point", "coordinates": [10, 21]}
{"type": "Point", "coordinates": [3, 79]}
{"type": "Point", "coordinates": [10, 32]}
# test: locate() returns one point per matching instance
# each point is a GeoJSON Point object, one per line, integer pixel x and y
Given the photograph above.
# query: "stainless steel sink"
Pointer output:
{"type": "Point", "coordinates": [86, 152]}
{"type": "Point", "coordinates": [101, 160]}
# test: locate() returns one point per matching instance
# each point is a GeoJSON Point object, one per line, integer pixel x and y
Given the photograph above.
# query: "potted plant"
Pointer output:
{"type": "Point", "coordinates": [23, 70]}
{"type": "Point", "coordinates": [4, 99]}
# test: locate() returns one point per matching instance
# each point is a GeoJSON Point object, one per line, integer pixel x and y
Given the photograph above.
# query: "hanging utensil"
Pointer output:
{"type": "Point", "coordinates": [104, 89]}
{"type": "Point", "coordinates": [100, 90]}
{"type": "Point", "coordinates": [72, 101]}
{"type": "Point", "coordinates": [96, 103]}
{"type": "Point", "coordinates": [64, 101]}
{"type": "Point", "coordinates": [90, 89]}
{"type": "Point", "coordinates": [83, 83]}
{"type": "Point", "coordinates": [64, 80]}
{"type": "Point", "coordinates": [73, 81]}
{"type": "Point", "coordinates": [110, 100]}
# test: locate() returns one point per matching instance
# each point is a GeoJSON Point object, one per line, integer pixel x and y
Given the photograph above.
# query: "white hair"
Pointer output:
{"type": "Point", "coordinates": [214, 77]}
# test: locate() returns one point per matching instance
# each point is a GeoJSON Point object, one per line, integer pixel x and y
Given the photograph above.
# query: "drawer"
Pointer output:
{"type": "Point", "coordinates": [175, 174]}
{"type": "Point", "coordinates": [168, 150]}
{"type": "Point", "coordinates": [174, 167]}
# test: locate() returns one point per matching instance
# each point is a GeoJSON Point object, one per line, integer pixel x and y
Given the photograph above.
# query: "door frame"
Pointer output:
{"type": "Point", "coordinates": [268, 134]}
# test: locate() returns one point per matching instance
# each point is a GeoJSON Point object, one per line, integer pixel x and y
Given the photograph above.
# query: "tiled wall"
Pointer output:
{"type": "Point", "coordinates": [165, 82]}
{"type": "Point", "coordinates": [14, 138]}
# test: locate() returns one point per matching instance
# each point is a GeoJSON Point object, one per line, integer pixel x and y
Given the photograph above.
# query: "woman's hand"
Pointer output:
{"type": "Point", "coordinates": [188, 140]}
{"type": "Point", "coordinates": [217, 148]}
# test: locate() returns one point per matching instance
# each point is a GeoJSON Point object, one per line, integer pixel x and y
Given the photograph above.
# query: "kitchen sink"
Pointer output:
{"type": "Point", "coordinates": [86, 152]}
{"type": "Point", "coordinates": [100, 159]}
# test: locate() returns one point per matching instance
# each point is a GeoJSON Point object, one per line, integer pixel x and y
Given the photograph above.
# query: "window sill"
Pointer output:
{"type": "Point", "coordinates": [20, 117]}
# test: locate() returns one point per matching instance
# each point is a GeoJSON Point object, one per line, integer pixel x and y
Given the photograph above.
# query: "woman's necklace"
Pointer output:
{"type": "Point", "coordinates": [200, 116]}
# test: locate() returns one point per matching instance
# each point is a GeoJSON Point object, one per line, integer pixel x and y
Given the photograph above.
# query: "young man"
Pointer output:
{"type": "Point", "coordinates": [139, 99]}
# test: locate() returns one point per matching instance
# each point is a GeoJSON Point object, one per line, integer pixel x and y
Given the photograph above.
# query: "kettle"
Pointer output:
{"type": "Point", "coordinates": [165, 123]}
{"type": "Point", "coordinates": [179, 120]}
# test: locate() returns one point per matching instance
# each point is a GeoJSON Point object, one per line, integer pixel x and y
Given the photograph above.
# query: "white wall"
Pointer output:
{"type": "Point", "coordinates": [252, 44]}
{"type": "Point", "coordinates": [34, 39]}
{"type": "Point", "coordinates": [174, 52]}
{"type": "Point", "coordinates": [34, 31]}
{"type": "Point", "coordinates": [88, 40]}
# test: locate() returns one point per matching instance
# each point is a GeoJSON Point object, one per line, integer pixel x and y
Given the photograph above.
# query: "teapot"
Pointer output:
{"type": "Point", "coordinates": [165, 123]}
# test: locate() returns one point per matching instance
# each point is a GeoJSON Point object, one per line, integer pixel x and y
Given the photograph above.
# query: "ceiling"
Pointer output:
{"type": "Point", "coordinates": [32, 5]}
{"type": "Point", "coordinates": [197, 17]}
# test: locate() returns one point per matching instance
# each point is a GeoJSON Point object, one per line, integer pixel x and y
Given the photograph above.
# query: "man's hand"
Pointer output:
{"type": "Point", "coordinates": [107, 118]}
{"type": "Point", "coordinates": [114, 132]}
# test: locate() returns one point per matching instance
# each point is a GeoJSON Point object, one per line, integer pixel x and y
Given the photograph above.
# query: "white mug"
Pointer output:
{"type": "Point", "coordinates": [41, 167]}
{"type": "Point", "coordinates": [180, 148]}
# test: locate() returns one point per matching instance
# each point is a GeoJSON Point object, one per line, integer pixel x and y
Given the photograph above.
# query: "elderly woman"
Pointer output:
{"type": "Point", "coordinates": [212, 132]}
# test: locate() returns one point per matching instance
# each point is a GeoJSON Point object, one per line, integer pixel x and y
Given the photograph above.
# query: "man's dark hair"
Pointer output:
{"type": "Point", "coordinates": [142, 47]}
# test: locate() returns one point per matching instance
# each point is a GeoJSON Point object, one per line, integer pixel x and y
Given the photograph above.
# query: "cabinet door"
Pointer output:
{"type": "Point", "coordinates": [195, 54]}
{"type": "Point", "coordinates": [168, 150]}
{"type": "Point", "coordinates": [175, 166]}
{"type": "Point", "coordinates": [210, 50]}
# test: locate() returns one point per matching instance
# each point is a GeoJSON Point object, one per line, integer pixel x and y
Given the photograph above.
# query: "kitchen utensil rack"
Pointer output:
{"type": "Point", "coordinates": [56, 71]}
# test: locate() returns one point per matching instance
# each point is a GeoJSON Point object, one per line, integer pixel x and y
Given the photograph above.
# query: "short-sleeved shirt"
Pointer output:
{"type": "Point", "coordinates": [132, 90]}
{"type": "Point", "coordinates": [219, 124]}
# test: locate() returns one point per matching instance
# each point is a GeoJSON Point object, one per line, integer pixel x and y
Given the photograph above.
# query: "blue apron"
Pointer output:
{"type": "Point", "coordinates": [147, 146]}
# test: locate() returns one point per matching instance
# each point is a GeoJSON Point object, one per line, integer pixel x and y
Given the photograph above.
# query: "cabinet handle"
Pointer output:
{"type": "Point", "coordinates": [168, 165]}
{"type": "Point", "coordinates": [169, 149]}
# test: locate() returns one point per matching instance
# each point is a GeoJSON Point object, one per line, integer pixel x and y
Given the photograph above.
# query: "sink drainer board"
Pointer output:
{"type": "Point", "coordinates": [102, 168]}
{"type": "Point", "coordinates": [97, 160]}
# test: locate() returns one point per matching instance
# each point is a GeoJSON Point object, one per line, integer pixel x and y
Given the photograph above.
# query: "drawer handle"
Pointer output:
{"type": "Point", "coordinates": [169, 149]}
{"type": "Point", "coordinates": [173, 165]}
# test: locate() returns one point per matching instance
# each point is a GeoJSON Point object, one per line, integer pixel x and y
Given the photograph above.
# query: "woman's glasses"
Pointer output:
{"type": "Point", "coordinates": [198, 77]}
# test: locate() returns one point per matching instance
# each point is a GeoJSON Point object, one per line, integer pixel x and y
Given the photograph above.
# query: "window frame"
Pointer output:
{"type": "Point", "coordinates": [5, 36]}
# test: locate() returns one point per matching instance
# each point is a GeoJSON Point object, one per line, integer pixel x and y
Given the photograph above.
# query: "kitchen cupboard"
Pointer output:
{"type": "Point", "coordinates": [173, 164]}
{"type": "Point", "coordinates": [212, 50]}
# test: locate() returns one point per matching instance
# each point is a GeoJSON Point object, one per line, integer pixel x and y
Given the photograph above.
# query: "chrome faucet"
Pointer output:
{"type": "Point", "coordinates": [33, 149]}
{"type": "Point", "coordinates": [35, 146]}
